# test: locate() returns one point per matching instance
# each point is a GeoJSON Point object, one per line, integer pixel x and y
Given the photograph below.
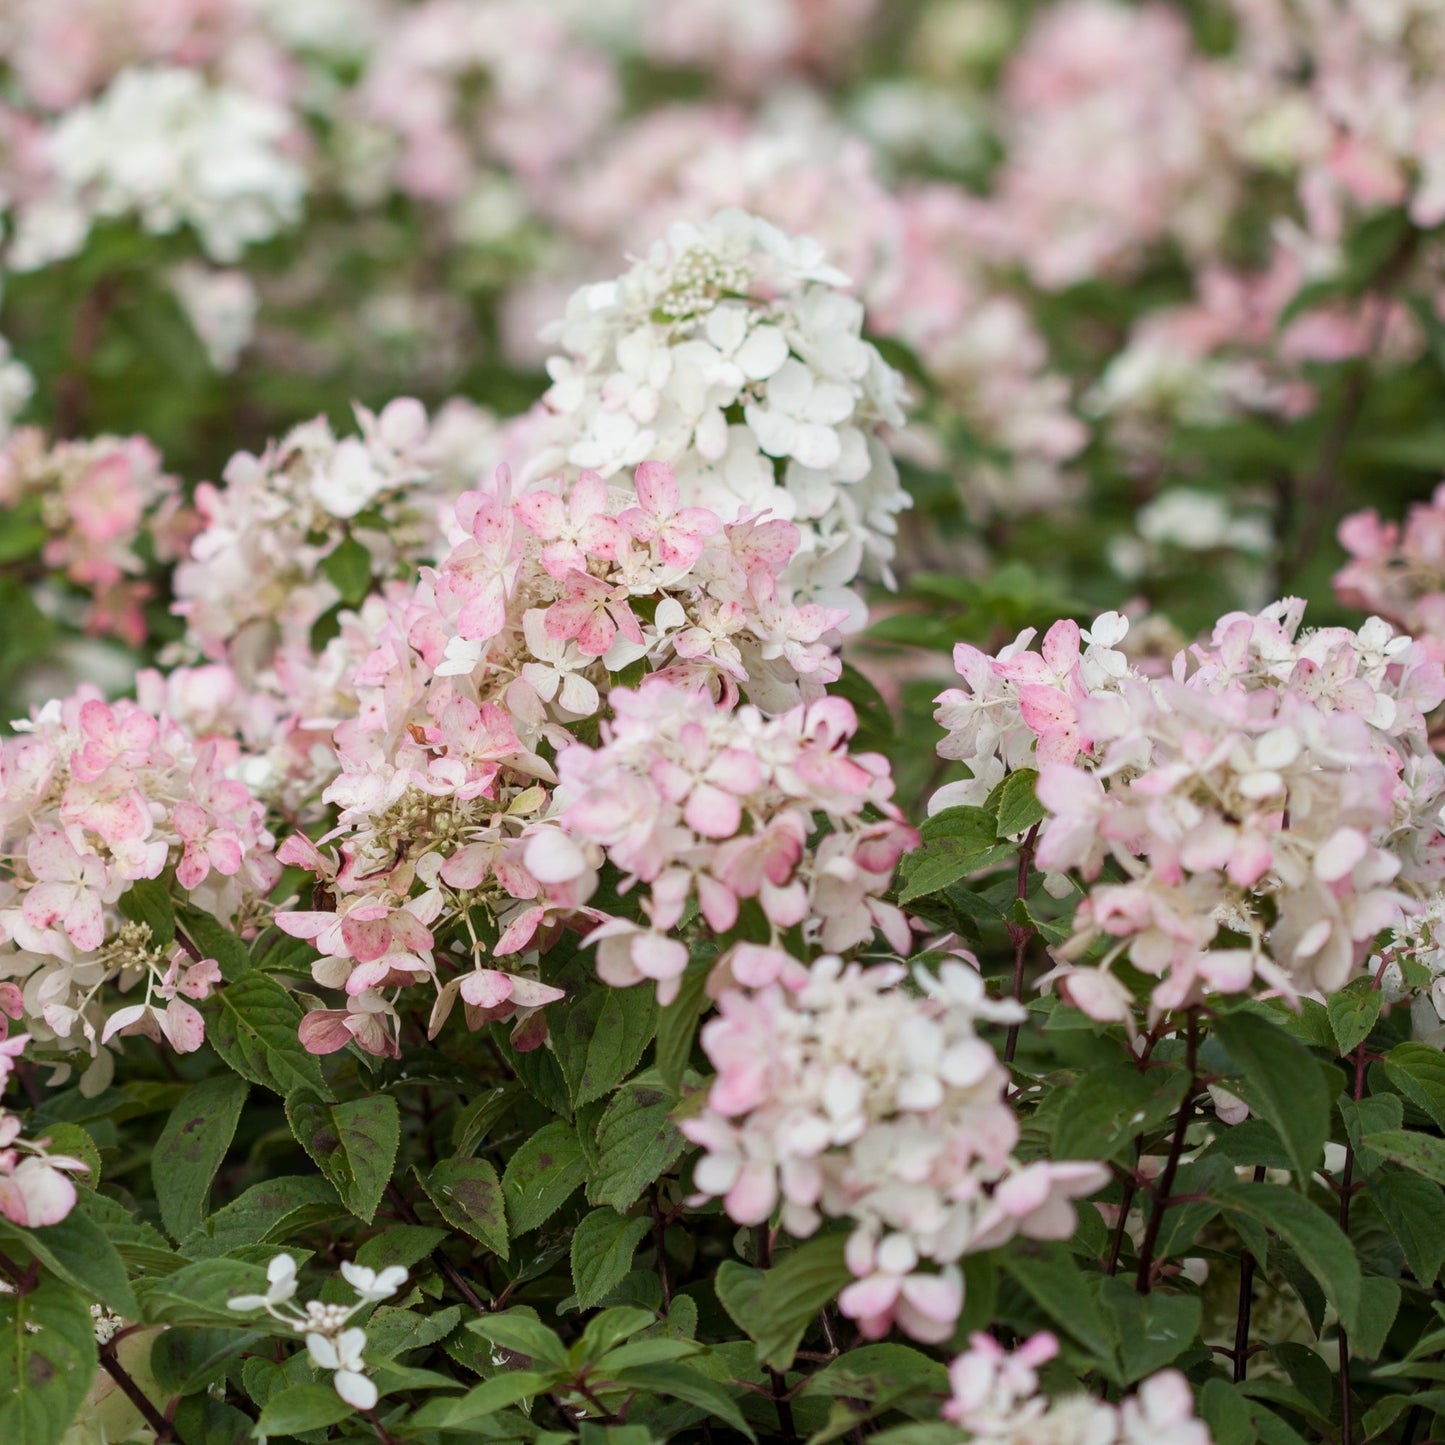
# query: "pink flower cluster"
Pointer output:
{"type": "Point", "coordinates": [95, 797]}
{"type": "Point", "coordinates": [995, 1399]}
{"type": "Point", "coordinates": [1398, 572]}
{"type": "Point", "coordinates": [98, 501]}
{"type": "Point", "coordinates": [718, 807]}
{"type": "Point", "coordinates": [510, 639]}
{"type": "Point", "coordinates": [842, 1093]}
{"type": "Point", "coordinates": [1273, 802]}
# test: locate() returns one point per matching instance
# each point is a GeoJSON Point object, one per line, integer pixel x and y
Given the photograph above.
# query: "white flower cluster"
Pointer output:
{"type": "Point", "coordinates": [732, 352]}
{"type": "Point", "coordinates": [1412, 967]}
{"type": "Point", "coordinates": [331, 1340]}
{"type": "Point", "coordinates": [165, 144]}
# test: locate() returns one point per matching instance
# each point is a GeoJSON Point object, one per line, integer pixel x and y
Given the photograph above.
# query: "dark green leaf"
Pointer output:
{"type": "Point", "coordinates": [353, 1144]}
{"type": "Point", "coordinates": [253, 1026]}
{"type": "Point", "coordinates": [47, 1362]}
{"type": "Point", "coordinates": [541, 1174]}
{"type": "Point", "coordinates": [1015, 803]}
{"type": "Point", "coordinates": [1054, 1281]}
{"type": "Point", "coordinates": [1414, 1208]}
{"type": "Point", "coordinates": [683, 1382]}
{"type": "Point", "coordinates": [1309, 1231]}
{"type": "Point", "coordinates": [1418, 1072]}
{"type": "Point", "coordinates": [1353, 1011]}
{"type": "Point", "coordinates": [1150, 1331]}
{"type": "Point", "coordinates": [191, 1147]}
{"type": "Point", "coordinates": [468, 1195]}
{"type": "Point", "coordinates": [1423, 1153]}
{"type": "Point", "coordinates": [1283, 1082]}
{"type": "Point", "coordinates": [602, 1248]}
{"type": "Point", "coordinates": [1109, 1105]}
{"type": "Point", "coordinates": [637, 1142]}
{"type": "Point", "coordinates": [300, 1408]}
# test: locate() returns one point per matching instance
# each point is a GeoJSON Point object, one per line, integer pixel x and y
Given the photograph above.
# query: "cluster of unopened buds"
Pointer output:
{"type": "Point", "coordinates": [332, 1341]}
{"type": "Point", "coordinates": [1273, 802]}
{"type": "Point", "coordinates": [842, 1092]}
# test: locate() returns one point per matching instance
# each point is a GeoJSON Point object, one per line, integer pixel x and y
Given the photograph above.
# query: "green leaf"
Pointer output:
{"type": "Point", "coordinates": [1227, 1414]}
{"type": "Point", "coordinates": [148, 901]}
{"type": "Point", "coordinates": [1414, 1208]}
{"type": "Point", "coordinates": [601, 1037]}
{"type": "Point", "coordinates": [300, 1408]}
{"type": "Point", "coordinates": [1109, 1105]}
{"type": "Point", "coordinates": [253, 1025]}
{"type": "Point", "coordinates": [484, 1400]}
{"type": "Point", "coordinates": [78, 1251]}
{"type": "Point", "coordinates": [468, 1195]}
{"type": "Point", "coordinates": [348, 568]}
{"type": "Point", "coordinates": [541, 1174]}
{"type": "Point", "coordinates": [353, 1144]}
{"type": "Point", "coordinates": [47, 1362]}
{"type": "Point", "coordinates": [1054, 1281]}
{"type": "Point", "coordinates": [266, 1213]}
{"type": "Point", "coordinates": [956, 842]}
{"type": "Point", "coordinates": [1150, 1331]}
{"type": "Point", "coordinates": [191, 1147]}
{"type": "Point", "coordinates": [522, 1333]}
{"type": "Point", "coordinates": [636, 1142]}
{"type": "Point", "coordinates": [1318, 1241]}
{"type": "Point", "coordinates": [1379, 1304]}
{"type": "Point", "coordinates": [1015, 803]}
{"type": "Point", "coordinates": [776, 1307]}
{"type": "Point", "coordinates": [678, 1023]}
{"type": "Point", "coordinates": [79, 1144]}
{"type": "Point", "coordinates": [196, 1294]}
{"type": "Point", "coordinates": [602, 1248]}
{"type": "Point", "coordinates": [1353, 1011]}
{"type": "Point", "coordinates": [1283, 1083]}
{"type": "Point", "coordinates": [683, 1382]}
{"type": "Point", "coordinates": [875, 719]}
{"type": "Point", "coordinates": [1418, 1072]}
{"type": "Point", "coordinates": [1423, 1153]}
{"type": "Point", "coordinates": [215, 940]}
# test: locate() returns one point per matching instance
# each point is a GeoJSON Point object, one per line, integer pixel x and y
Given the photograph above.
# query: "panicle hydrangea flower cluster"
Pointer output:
{"type": "Point", "coordinates": [1273, 802]}
{"type": "Point", "coordinates": [259, 575]}
{"type": "Point", "coordinates": [1398, 572]}
{"type": "Point", "coordinates": [166, 145]}
{"type": "Point", "coordinates": [995, 1399]}
{"type": "Point", "coordinates": [843, 1094]}
{"type": "Point", "coordinates": [332, 1341]}
{"type": "Point", "coordinates": [1411, 969]}
{"type": "Point", "coordinates": [717, 807]}
{"type": "Point", "coordinates": [98, 501]}
{"type": "Point", "coordinates": [96, 797]}
{"type": "Point", "coordinates": [733, 316]}
{"type": "Point", "coordinates": [504, 644]}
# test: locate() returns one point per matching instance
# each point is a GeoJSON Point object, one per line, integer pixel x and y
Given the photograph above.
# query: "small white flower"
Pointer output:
{"type": "Point", "coordinates": [373, 1286]}
{"type": "Point", "coordinates": [281, 1279]}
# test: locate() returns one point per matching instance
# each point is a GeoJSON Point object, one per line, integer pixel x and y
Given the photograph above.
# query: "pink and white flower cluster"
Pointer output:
{"type": "Point", "coordinates": [256, 580]}
{"type": "Point", "coordinates": [95, 797]}
{"type": "Point", "coordinates": [714, 808]}
{"type": "Point", "coordinates": [995, 1399]}
{"type": "Point", "coordinates": [509, 641]}
{"type": "Point", "coordinates": [99, 501]}
{"type": "Point", "coordinates": [1273, 802]}
{"type": "Point", "coordinates": [842, 1093]}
